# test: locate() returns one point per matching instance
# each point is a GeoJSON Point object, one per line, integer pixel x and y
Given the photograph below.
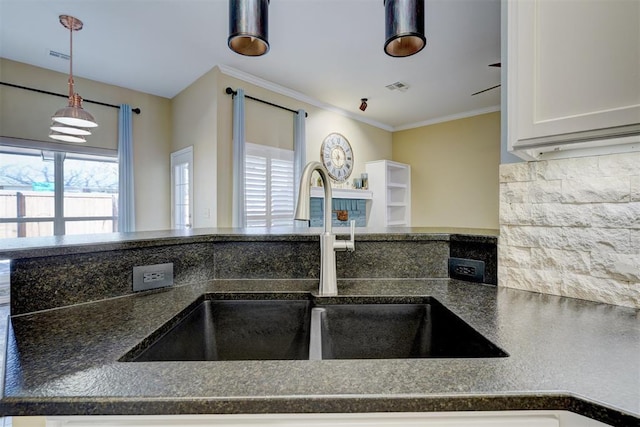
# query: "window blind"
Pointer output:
{"type": "Point", "coordinates": [269, 186]}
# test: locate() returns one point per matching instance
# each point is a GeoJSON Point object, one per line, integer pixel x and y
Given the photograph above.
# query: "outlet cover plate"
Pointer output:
{"type": "Point", "coordinates": [470, 270]}
{"type": "Point", "coordinates": [152, 276]}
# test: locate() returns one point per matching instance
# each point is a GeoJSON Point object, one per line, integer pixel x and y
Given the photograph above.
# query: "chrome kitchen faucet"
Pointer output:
{"type": "Point", "coordinates": [328, 243]}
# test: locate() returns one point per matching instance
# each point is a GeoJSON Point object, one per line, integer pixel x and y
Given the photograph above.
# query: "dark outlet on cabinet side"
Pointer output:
{"type": "Point", "coordinates": [470, 270]}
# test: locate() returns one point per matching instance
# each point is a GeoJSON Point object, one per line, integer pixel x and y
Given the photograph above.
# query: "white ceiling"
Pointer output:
{"type": "Point", "coordinates": [329, 50]}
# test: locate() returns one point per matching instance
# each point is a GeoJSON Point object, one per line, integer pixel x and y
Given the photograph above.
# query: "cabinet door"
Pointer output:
{"type": "Point", "coordinates": [408, 419]}
{"type": "Point", "coordinates": [573, 74]}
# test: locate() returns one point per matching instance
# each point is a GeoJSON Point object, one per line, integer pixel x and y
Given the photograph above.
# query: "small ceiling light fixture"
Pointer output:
{"type": "Point", "coordinates": [363, 104]}
{"type": "Point", "coordinates": [249, 27]}
{"type": "Point", "coordinates": [70, 120]}
{"type": "Point", "coordinates": [404, 27]}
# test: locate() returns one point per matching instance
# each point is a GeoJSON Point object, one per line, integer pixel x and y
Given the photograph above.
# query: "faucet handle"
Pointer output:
{"type": "Point", "coordinates": [347, 245]}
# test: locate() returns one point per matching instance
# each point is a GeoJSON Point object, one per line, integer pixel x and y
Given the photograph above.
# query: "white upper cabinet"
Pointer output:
{"type": "Point", "coordinates": [573, 76]}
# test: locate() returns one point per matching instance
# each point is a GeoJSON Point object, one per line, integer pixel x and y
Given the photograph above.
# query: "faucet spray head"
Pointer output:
{"type": "Point", "coordinates": [303, 207]}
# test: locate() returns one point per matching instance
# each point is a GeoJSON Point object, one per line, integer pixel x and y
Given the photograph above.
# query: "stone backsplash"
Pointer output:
{"type": "Point", "coordinates": [53, 276]}
{"type": "Point", "coordinates": [571, 227]}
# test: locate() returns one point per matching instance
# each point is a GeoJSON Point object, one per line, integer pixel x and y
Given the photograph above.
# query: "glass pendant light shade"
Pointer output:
{"type": "Point", "coordinates": [65, 137]}
{"type": "Point", "coordinates": [249, 27]}
{"type": "Point", "coordinates": [404, 27]}
{"type": "Point", "coordinates": [74, 114]}
{"type": "Point", "coordinates": [69, 130]}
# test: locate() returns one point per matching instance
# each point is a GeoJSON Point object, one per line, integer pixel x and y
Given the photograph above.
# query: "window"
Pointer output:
{"type": "Point", "coordinates": [45, 193]}
{"type": "Point", "coordinates": [4, 281]}
{"type": "Point", "coordinates": [269, 186]}
{"type": "Point", "coordinates": [182, 187]}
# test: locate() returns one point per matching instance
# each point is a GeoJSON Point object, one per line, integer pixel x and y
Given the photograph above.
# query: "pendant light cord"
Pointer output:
{"type": "Point", "coordinates": [71, 88]}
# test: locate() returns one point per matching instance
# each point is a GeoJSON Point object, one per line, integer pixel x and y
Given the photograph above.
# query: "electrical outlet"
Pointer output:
{"type": "Point", "coordinates": [155, 276]}
{"type": "Point", "coordinates": [152, 276]}
{"type": "Point", "coordinates": [470, 270]}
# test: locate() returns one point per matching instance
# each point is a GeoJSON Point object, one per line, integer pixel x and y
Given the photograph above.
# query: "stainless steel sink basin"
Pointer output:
{"type": "Point", "coordinates": [333, 328]}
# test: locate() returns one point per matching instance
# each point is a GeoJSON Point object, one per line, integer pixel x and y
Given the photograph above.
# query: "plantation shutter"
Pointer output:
{"type": "Point", "coordinates": [256, 194]}
{"type": "Point", "coordinates": [269, 186]}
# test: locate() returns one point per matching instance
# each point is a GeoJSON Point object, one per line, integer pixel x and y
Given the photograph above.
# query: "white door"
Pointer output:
{"type": "Point", "coordinates": [182, 188]}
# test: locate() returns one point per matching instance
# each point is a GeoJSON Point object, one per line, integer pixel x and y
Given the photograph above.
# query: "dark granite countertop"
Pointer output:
{"type": "Point", "coordinates": [565, 354]}
{"type": "Point", "coordinates": [30, 247]}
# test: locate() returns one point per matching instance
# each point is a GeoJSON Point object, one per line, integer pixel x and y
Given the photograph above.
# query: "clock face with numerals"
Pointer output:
{"type": "Point", "coordinates": [337, 156]}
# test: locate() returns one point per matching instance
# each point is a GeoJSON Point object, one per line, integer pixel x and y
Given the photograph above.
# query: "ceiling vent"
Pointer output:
{"type": "Point", "coordinates": [402, 87]}
{"type": "Point", "coordinates": [59, 55]}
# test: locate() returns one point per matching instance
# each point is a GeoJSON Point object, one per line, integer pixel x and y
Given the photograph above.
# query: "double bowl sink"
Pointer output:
{"type": "Point", "coordinates": [220, 327]}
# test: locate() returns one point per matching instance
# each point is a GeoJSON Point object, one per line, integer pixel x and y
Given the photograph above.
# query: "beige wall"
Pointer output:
{"type": "Point", "coordinates": [151, 129]}
{"type": "Point", "coordinates": [264, 125]}
{"type": "Point", "coordinates": [368, 142]}
{"type": "Point", "coordinates": [28, 421]}
{"type": "Point", "coordinates": [194, 118]}
{"type": "Point", "coordinates": [461, 154]}
{"type": "Point", "coordinates": [454, 171]}
{"type": "Point", "coordinates": [27, 114]}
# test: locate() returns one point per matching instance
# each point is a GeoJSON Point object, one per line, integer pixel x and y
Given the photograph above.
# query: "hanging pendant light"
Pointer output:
{"type": "Point", "coordinates": [66, 137]}
{"type": "Point", "coordinates": [72, 117]}
{"type": "Point", "coordinates": [404, 27]}
{"type": "Point", "coordinates": [249, 27]}
{"type": "Point", "coordinates": [69, 130]}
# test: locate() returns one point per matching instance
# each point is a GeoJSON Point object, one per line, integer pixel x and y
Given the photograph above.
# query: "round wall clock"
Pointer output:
{"type": "Point", "coordinates": [337, 156]}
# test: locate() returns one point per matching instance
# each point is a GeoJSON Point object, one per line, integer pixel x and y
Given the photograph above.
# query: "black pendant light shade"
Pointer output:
{"type": "Point", "coordinates": [249, 27]}
{"type": "Point", "coordinates": [404, 27]}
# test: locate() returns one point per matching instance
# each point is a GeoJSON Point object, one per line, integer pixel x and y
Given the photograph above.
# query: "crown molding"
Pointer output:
{"type": "Point", "coordinates": [299, 96]}
{"type": "Point", "coordinates": [273, 87]}
{"type": "Point", "coordinates": [464, 115]}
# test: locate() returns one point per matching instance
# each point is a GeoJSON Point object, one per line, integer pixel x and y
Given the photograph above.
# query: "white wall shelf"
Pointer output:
{"type": "Point", "coordinates": [390, 183]}
{"type": "Point", "coordinates": [343, 193]}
